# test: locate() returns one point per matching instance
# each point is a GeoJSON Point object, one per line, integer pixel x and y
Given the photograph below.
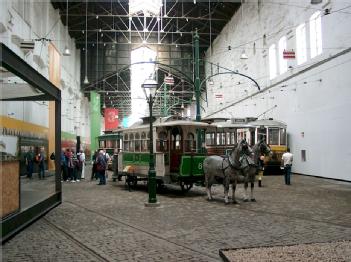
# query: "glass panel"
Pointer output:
{"type": "Point", "coordinates": [301, 44]}
{"type": "Point", "coordinates": [161, 145]}
{"type": "Point", "coordinates": [282, 136]}
{"type": "Point", "coordinates": [12, 86]}
{"type": "Point", "coordinates": [272, 62]}
{"type": "Point", "coordinates": [137, 145]}
{"type": "Point", "coordinates": [190, 143]}
{"type": "Point", "coordinates": [126, 146]}
{"type": "Point", "coordinates": [273, 136]}
{"type": "Point", "coordinates": [262, 134]}
{"type": "Point", "coordinates": [144, 145]}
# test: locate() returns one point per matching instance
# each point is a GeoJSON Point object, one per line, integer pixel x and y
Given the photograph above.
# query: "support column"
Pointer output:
{"type": "Point", "coordinates": [197, 91]}
{"type": "Point", "coordinates": [95, 120]}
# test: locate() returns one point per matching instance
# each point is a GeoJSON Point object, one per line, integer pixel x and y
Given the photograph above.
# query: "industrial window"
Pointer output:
{"type": "Point", "coordinates": [316, 34]}
{"type": "Point", "coordinates": [301, 44]}
{"type": "Point", "coordinates": [283, 63]}
{"type": "Point", "coordinates": [272, 62]}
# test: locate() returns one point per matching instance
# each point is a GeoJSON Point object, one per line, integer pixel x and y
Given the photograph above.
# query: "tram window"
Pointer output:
{"type": "Point", "coordinates": [161, 142]}
{"type": "Point", "coordinates": [144, 142]}
{"type": "Point", "coordinates": [190, 143]}
{"type": "Point", "coordinates": [210, 139]}
{"type": "Point", "coordinates": [137, 142]}
{"type": "Point", "coordinates": [126, 142]}
{"type": "Point", "coordinates": [232, 138]}
{"type": "Point", "coordinates": [109, 144]}
{"type": "Point", "coordinates": [126, 146]}
{"type": "Point", "coordinates": [283, 136]}
{"type": "Point", "coordinates": [273, 136]}
{"type": "Point", "coordinates": [220, 139]}
{"type": "Point", "coordinates": [262, 134]}
{"type": "Point", "coordinates": [102, 144]}
{"type": "Point", "coordinates": [177, 142]}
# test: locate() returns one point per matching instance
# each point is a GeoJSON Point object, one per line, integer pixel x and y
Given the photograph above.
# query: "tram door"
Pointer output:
{"type": "Point", "coordinates": [176, 149]}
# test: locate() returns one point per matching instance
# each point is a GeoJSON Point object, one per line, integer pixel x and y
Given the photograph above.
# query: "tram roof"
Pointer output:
{"type": "Point", "coordinates": [182, 123]}
{"type": "Point", "coordinates": [268, 122]}
{"type": "Point", "coordinates": [255, 123]}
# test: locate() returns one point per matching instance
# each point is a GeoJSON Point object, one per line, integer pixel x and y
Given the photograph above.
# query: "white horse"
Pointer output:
{"type": "Point", "coordinates": [225, 170]}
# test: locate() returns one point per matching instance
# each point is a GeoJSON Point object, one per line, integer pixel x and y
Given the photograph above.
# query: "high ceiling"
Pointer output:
{"type": "Point", "coordinates": [109, 24]}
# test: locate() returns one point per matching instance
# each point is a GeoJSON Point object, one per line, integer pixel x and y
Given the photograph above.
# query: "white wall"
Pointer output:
{"type": "Point", "coordinates": [315, 101]}
{"type": "Point", "coordinates": [33, 20]}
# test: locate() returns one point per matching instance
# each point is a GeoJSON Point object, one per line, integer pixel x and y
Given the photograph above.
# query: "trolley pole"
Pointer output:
{"type": "Point", "coordinates": [197, 90]}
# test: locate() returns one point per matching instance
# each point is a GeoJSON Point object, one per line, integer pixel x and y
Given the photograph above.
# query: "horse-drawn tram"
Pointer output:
{"type": "Point", "coordinates": [176, 160]}
{"type": "Point", "coordinates": [175, 143]}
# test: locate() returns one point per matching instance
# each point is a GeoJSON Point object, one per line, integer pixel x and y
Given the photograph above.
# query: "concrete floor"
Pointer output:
{"type": "Point", "coordinates": [109, 223]}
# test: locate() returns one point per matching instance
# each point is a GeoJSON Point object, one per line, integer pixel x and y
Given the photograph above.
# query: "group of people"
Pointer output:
{"type": "Point", "coordinates": [31, 159]}
{"type": "Point", "coordinates": [72, 165]}
{"type": "Point", "coordinates": [100, 165]}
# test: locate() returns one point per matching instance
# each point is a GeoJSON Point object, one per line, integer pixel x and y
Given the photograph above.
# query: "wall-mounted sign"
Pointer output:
{"type": "Point", "coordinates": [169, 80]}
{"type": "Point", "coordinates": [111, 118]}
{"type": "Point", "coordinates": [289, 54]}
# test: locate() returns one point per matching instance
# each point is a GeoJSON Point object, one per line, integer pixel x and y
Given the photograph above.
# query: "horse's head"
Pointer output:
{"type": "Point", "coordinates": [264, 149]}
{"type": "Point", "coordinates": [243, 144]}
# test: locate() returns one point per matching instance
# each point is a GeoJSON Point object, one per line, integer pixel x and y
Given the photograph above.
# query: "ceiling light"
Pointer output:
{"type": "Point", "coordinates": [67, 52]}
{"type": "Point", "coordinates": [244, 55]}
{"type": "Point", "coordinates": [144, 42]}
{"type": "Point", "coordinates": [86, 81]}
{"type": "Point", "coordinates": [97, 17]}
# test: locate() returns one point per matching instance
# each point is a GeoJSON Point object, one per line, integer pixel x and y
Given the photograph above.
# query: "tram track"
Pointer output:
{"type": "Point", "coordinates": [75, 240]}
{"type": "Point", "coordinates": [119, 222]}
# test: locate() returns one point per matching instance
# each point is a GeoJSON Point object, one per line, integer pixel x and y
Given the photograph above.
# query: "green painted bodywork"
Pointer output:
{"type": "Point", "coordinates": [191, 166]}
{"type": "Point", "coordinates": [139, 159]}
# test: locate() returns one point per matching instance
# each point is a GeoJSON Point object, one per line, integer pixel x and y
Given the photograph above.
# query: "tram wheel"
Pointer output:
{"type": "Point", "coordinates": [185, 186]}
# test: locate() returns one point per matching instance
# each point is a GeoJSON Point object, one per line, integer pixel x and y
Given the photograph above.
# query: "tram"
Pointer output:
{"type": "Point", "coordinates": [175, 144]}
{"type": "Point", "coordinates": [228, 132]}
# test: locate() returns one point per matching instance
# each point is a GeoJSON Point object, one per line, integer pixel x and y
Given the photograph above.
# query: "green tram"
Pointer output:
{"type": "Point", "coordinates": [174, 145]}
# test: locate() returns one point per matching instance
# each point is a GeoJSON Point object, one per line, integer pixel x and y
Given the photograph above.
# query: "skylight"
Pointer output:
{"type": "Point", "coordinates": [150, 7]}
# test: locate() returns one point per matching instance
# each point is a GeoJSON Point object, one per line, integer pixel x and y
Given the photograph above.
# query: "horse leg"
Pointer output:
{"type": "Point", "coordinates": [252, 189]}
{"type": "Point", "coordinates": [208, 189]}
{"type": "Point", "coordinates": [233, 192]}
{"type": "Point", "coordinates": [226, 182]}
{"type": "Point", "coordinates": [246, 185]}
